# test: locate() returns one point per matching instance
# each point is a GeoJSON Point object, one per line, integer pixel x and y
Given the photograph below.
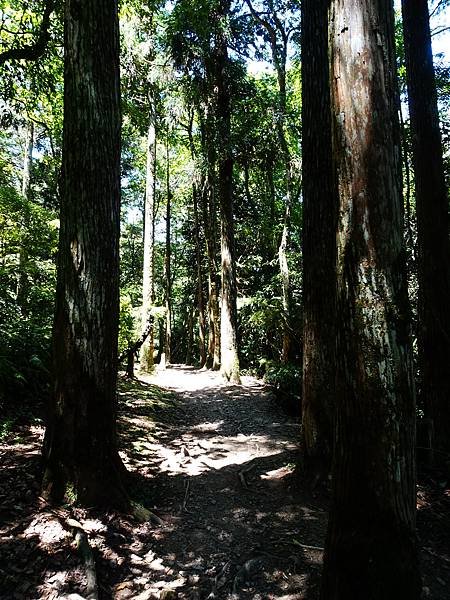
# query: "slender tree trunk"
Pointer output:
{"type": "Point", "coordinates": [285, 280]}
{"type": "Point", "coordinates": [247, 184]}
{"type": "Point", "coordinates": [319, 244]}
{"type": "Point", "coordinates": [28, 160]}
{"type": "Point", "coordinates": [196, 191]}
{"type": "Point", "coordinates": [22, 284]}
{"type": "Point", "coordinates": [189, 334]}
{"type": "Point", "coordinates": [228, 315]}
{"type": "Point", "coordinates": [271, 194]}
{"type": "Point", "coordinates": [200, 298]}
{"type": "Point", "coordinates": [278, 40]}
{"type": "Point", "coordinates": [167, 264]}
{"type": "Point", "coordinates": [210, 230]}
{"type": "Point", "coordinates": [407, 171]}
{"type": "Point", "coordinates": [146, 362]}
{"type": "Point", "coordinates": [432, 208]}
{"type": "Point", "coordinates": [370, 551]}
{"type": "Point", "coordinates": [80, 448]}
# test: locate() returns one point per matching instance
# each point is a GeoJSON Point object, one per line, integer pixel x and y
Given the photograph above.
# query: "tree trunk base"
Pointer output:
{"type": "Point", "coordinates": [99, 485]}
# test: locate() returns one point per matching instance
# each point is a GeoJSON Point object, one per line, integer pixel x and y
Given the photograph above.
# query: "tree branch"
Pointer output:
{"type": "Point", "coordinates": [36, 50]}
{"type": "Point", "coordinates": [439, 31]}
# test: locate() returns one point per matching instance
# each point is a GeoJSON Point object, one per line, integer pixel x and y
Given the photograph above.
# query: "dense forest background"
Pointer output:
{"type": "Point", "coordinates": [162, 49]}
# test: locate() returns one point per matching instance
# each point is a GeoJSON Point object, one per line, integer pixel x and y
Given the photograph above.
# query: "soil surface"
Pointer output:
{"type": "Point", "coordinates": [214, 463]}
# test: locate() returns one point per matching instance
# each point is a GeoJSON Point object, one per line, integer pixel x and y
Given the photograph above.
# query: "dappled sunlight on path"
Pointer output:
{"type": "Point", "coordinates": [216, 466]}
{"type": "Point", "coordinates": [210, 444]}
{"type": "Point", "coordinates": [214, 463]}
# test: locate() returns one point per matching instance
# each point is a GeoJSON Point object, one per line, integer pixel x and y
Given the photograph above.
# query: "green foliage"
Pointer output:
{"type": "Point", "coordinates": [128, 323]}
{"type": "Point", "coordinates": [287, 384]}
{"type": "Point", "coordinates": [287, 376]}
{"type": "Point", "coordinates": [28, 239]}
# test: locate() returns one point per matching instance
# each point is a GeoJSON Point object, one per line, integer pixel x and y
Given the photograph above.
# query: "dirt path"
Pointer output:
{"type": "Point", "coordinates": [219, 470]}
{"type": "Point", "coordinates": [214, 463]}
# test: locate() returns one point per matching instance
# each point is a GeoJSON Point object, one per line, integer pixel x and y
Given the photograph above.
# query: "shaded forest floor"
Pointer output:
{"type": "Point", "coordinates": [214, 463]}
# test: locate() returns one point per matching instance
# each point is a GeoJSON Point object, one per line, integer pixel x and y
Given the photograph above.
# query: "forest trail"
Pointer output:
{"type": "Point", "coordinates": [214, 463]}
{"type": "Point", "coordinates": [220, 468]}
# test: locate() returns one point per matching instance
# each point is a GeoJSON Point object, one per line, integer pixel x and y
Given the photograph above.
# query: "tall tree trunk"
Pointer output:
{"type": "Point", "coordinates": [271, 199]}
{"type": "Point", "coordinates": [228, 315]}
{"type": "Point", "coordinates": [196, 191]}
{"type": "Point", "coordinates": [80, 448]}
{"type": "Point", "coordinates": [167, 263]}
{"type": "Point", "coordinates": [370, 550]}
{"type": "Point", "coordinates": [28, 160]}
{"type": "Point", "coordinates": [210, 229]}
{"type": "Point", "coordinates": [278, 40]}
{"type": "Point", "coordinates": [146, 362]}
{"type": "Point", "coordinates": [22, 284]}
{"type": "Point", "coordinates": [189, 334]}
{"type": "Point", "coordinates": [319, 243]}
{"type": "Point", "coordinates": [200, 298]}
{"type": "Point", "coordinates": [285, 279]}
{"type": "Point", "coordinates": [432, 208]}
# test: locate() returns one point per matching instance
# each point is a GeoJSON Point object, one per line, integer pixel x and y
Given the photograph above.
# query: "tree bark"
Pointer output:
{"type": "Point", "coordinates": [146, 362]}
{"type": "Point", "coordinates": [432, 208]}
{"type": "Point", "coordinates": [189, 334]}
{"type": "Point", "coordinates": [278, 40]}
{"type": "Point", "coordinates": [319, 244]}
{"type": "Point", "coordinates": [196, 191]}
{"type": "Point", "coordinates": [200, 298]}
{"type": "Point", "coordinates": [80, 446]}
{"type": "Point", "coordinates": [370, 550]}
{"type": "Point", "coordinates": [210, 229]}
{"type": "Point", "coordinates": [228, 316]}
{"type": "Point", "coordinates": [167, 264]}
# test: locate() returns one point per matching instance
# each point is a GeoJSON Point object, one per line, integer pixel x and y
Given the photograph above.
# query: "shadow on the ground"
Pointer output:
{"type": "Point", "coordinates": [217, 468]}
{"type": "Point", "coordinates": [214, 462]}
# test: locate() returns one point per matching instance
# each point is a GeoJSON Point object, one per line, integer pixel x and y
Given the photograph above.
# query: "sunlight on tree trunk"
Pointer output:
{"type": "Point", "coordinates": [22, 284]}
{"type": "Point", "coordinates": [146, 363]}
{"type": "Point", "coordinates": [228, 315]}
{"type": "Point", "coordinates": [370, 550]}
{"type": "Point", "coordinates": [80, 448]}
{"type": "Point", "coordinates": [167, 264]}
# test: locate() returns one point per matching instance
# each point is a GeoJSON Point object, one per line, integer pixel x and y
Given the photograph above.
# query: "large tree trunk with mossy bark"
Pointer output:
{"type": "Point", "coordinates": [80, 446]}
{"type": "Point", "coordinates": [370, 550]}
{"type": "Point", "coordinates": [146, 361]}
{"type": "Point", "coordinates": [319, 245]}
{"type": "Point", "coordinates": [228, 316]}
{"type": "Point", "coordinates": [432, 206]}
